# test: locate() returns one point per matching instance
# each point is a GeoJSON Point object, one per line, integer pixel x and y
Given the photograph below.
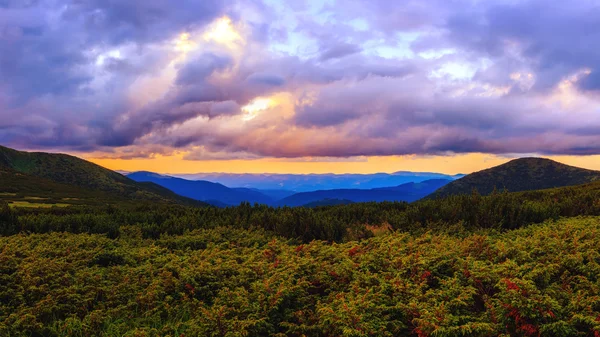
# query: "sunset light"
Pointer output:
{"type": "Point", "coordinates": [273, 168]}
{"type": "Point", "coordinates": [184, 44]}
{"type": "Point", "coordinates": [255, 107]}
{"type": "Point", "coordinates": [128, 83]}
{"type": "Point", "coordinates": [222, 31]}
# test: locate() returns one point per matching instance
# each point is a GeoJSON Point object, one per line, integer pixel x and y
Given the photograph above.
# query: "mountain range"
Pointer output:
{"type": "Point", "coordinates": [59, 178]}
{"type": "Point", "coordinates": [203, 190]}
{"type": "Point", "coordinates": [406, 192]}
{"type": "Point", "coordinates": [313, 182]}
{"type": "Point", "coordinates": [220, 195]}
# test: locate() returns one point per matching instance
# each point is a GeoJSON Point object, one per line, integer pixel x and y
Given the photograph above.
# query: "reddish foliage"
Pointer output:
{"type": "Point", "coordinates": [511, 285]}
{"type": "Point", "coordinates": [189, 288]}
{"type": "Point", "coordinates": [520, 322]}
{"type": "Point", "coordinates": [355, 250]}
{"type": "Point", "coordinates": [299, 248]}
{"type": "Point", "coordinates": [493, 316]}
{"type": "Point", "coordinates": [425, 275]}
{"type": "Point", "coordinates": [268, 253]}
{"type": "Point", "coordinates": [528, 329]}
{"type": "Point", "coordinates": [420, 333]}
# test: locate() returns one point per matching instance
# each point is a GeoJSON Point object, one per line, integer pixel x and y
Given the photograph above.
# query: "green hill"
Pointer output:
{"type": "Point", "coordinates": [524, 174]}
{"type": "Point", "coordinates": [43, 176]}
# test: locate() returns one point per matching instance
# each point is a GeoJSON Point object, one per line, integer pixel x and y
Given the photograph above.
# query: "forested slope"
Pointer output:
{"type": "Point", "coordinates": [38, 173]}
{"type": "Point", "coordinates": [524, 174]}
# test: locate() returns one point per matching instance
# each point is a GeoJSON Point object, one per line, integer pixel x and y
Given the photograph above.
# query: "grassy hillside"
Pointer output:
{"type": "Point", "coordinates": [523, 174]}
{"type": "Point", "coordinates": [61, 176]}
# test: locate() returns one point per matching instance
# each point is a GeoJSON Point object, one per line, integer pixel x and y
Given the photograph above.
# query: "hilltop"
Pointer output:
{"type": "Point", "coordinates": [62, 176]}
{"type": "Point", "coordinates": [524, 174]}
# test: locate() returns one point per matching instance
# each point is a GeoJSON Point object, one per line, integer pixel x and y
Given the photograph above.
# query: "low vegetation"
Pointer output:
{"type": "Point", "coordinates": [506, 264]}
{"type": "Point", "coordinates": [540, 280]}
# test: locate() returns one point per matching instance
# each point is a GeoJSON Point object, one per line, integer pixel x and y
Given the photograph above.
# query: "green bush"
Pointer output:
{"type": "Point", "coordinates": [537, 281]}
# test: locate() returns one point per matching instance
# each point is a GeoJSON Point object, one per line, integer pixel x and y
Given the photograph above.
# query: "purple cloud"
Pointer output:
{"type": "Point", "coordinates": [339, 51]}
{"type": "Point", "coordinates": [351, 78]}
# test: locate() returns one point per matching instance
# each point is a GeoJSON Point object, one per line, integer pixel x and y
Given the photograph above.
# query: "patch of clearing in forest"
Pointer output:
{"type": "Point", "coordinates": [35, 205]}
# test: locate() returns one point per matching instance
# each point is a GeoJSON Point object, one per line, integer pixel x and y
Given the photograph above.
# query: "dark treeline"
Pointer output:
{"type": "Point", "coordinates": [499, 210]}
{"type": "Point", "coordinates": [306, 224]}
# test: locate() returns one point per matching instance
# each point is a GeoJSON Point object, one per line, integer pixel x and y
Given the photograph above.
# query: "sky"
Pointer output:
{"type": "Point", "coordinates": [302, 86]}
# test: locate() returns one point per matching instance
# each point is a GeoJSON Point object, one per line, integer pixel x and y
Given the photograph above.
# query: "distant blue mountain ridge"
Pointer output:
{"type": "Point", "coordinates": [314, 182]}
{"type": "Point", "coordinates": [220, 195]}
{"type": "Point", "coordinates": [406, 192]}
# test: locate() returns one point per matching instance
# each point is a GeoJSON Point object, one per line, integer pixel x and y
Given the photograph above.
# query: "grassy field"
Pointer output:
{"type": "Point", "coordinates": [35, 205]}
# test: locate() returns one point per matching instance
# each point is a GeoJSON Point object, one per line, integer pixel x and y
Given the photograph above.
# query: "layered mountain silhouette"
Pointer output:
{"type": "Point", "coordinates": [406, 192]}
{"type": "Point", "coordinates": [313, 182]}
{"type": "Point", "coordinates": [524, 174]}
{"type": "Point", "coordinates": [220, 195]}
{"type": "Point", "coordinates": [60, 175]}
{"type": "Point", "coordinates": [214, 193]}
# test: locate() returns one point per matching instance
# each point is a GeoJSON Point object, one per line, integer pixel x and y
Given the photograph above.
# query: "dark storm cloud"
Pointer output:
{"type": "Point", "coordinates": [553, 38]}
{"type": "Point", "coordinates": [49, 49]}
{"type": "Point", "coordinates": [141, 21]}
{"type": "Point", "coordinates": [197, 69]}
{"type": "Point", "coordinates": [46, 46]}
{"type": "Point", "coordinates": [591, 82]}
{"type": "Point", "coordinates": [82, 74]}
{"type": "Point", "coordinates": [266, 79]}
{"type": "Point", "coordinates": [339, 51]}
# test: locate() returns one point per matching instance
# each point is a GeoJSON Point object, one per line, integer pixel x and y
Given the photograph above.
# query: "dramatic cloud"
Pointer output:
{"type": "Point", "coordinates": [247, 79]}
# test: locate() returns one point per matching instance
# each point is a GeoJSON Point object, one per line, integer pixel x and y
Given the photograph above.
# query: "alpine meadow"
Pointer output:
{"type": "Point", "coordinates": [304, 168]}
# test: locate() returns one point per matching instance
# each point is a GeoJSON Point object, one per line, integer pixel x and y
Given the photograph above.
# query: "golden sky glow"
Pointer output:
{"type": "Point", "coordinates": [465, 163]}
{"type": "Point", "coordinates": [253, 108]}
{"type": "Point", "coordinates": [184, 44]}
